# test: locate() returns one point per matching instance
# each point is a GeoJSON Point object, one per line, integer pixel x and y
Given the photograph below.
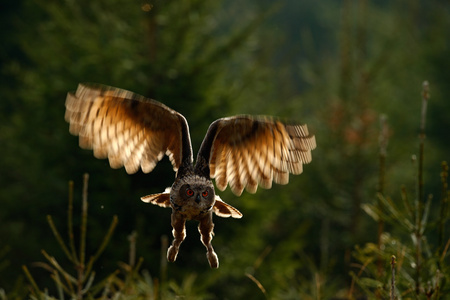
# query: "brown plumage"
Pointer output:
{"type": "Point", "coordinates": [243, 152]}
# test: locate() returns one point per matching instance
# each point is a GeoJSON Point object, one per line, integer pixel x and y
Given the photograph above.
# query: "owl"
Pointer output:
{"type": "Point", "coordinates": [242, 151]}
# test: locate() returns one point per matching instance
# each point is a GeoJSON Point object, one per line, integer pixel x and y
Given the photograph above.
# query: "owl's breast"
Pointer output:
{"type": "Point", "coordinates": [190, 209]}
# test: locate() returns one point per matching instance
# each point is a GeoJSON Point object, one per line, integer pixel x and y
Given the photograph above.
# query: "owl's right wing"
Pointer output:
{"type": "Point", "coordinates": [128, 129]}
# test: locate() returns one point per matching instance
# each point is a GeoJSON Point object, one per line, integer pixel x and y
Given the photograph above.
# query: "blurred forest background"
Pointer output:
{"type": "Point", "coordinates": [336, 65]}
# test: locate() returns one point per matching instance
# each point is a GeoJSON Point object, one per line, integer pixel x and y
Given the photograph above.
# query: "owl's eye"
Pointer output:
{"type": "Point", "coordinates": [189, 192]}
{"type": "Point", "coordinates": [205, 194]}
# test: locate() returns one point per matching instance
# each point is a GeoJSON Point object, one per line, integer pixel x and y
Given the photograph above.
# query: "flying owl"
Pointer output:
{"type": "Point", "coordinates": [240, 151]}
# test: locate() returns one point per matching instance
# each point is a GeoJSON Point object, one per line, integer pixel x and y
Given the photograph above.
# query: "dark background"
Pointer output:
{"type": "Point", "coordinates": [335, 65]}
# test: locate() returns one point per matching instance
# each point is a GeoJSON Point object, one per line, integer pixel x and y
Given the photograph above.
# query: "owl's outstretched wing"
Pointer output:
{"type": "Point", "coordinates": [128, 129]}
{"type": "Point", "coordinates": [246, 151]}
{"type": "Point", "coordinates": [160, 199]}
{"type": "Point", "coordinates": [220, 208]}
{"type": "Point", "coordinates": [225, 210]}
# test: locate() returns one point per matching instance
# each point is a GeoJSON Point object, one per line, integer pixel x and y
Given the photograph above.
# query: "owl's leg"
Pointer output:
{"type": "Point", "coordinates": [205, 228]}
{"type": "Point", "coordinates": [179, 233]}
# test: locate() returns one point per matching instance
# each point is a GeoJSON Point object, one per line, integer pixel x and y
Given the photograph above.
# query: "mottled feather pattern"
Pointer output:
{"type": "Point", "coordinates": [220, 208]}
{"type": "Point", "coordinates": [243, 152]}
{"type": "Point", "coordinates": [161, 199]}
{"type": "Point", "coordinates": [128, 129]}
{"type": "Point", "coordinates": [225, 210]}
{"type": "Point", "coordinates": [249, 151]}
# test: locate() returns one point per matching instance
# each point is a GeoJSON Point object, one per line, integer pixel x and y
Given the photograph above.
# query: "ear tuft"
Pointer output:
{"type": "Point", "coordinates": [225, 210]}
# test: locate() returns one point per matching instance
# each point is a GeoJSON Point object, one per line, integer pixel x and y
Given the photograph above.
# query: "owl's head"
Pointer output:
{"type": "Point", "coordinates": [193, 196]}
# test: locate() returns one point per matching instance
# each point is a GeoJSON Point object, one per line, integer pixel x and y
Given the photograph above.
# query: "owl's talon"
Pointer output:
{"type": "Point", "coordinates": [172, 253]}
{"type": "Point", "coordinates": [213, 259]}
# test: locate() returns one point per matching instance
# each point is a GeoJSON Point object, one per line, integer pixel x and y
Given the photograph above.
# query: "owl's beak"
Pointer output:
{"type": "Point", "coordinates": [197, 199]}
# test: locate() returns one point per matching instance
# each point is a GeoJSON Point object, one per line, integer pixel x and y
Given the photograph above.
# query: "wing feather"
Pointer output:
{"type": "Point", "coordinates": [244, 152]}
{"type": "Point", "coordinates": [128, 129]}
{"type": "Point", "coordinates": [225, 210]}
{"type": "Point", "coordinates": [161, 199]}
{"type": "Point", "coordinates": [235, 175]}
{"type": "Point", "coordinates": [221, 172]}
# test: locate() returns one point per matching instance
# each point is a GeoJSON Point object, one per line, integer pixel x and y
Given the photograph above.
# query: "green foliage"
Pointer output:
{"type": "Point", "coordinates": [147, 49]}
{"type": "Point", "coordinates": [128, 282]}
{"type": "Point", "coordinates": [333, 65]}
{"type": "Point", "coordinates": [79, 284]}
{"type": "Point", "coordinates": [422, 269]}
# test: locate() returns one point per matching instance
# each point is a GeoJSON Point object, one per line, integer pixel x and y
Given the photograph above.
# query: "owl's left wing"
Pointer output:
{"type": "Point", "coordinates": [128, 129]}
{"type": "Point", "coordinates": [245, 151]}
